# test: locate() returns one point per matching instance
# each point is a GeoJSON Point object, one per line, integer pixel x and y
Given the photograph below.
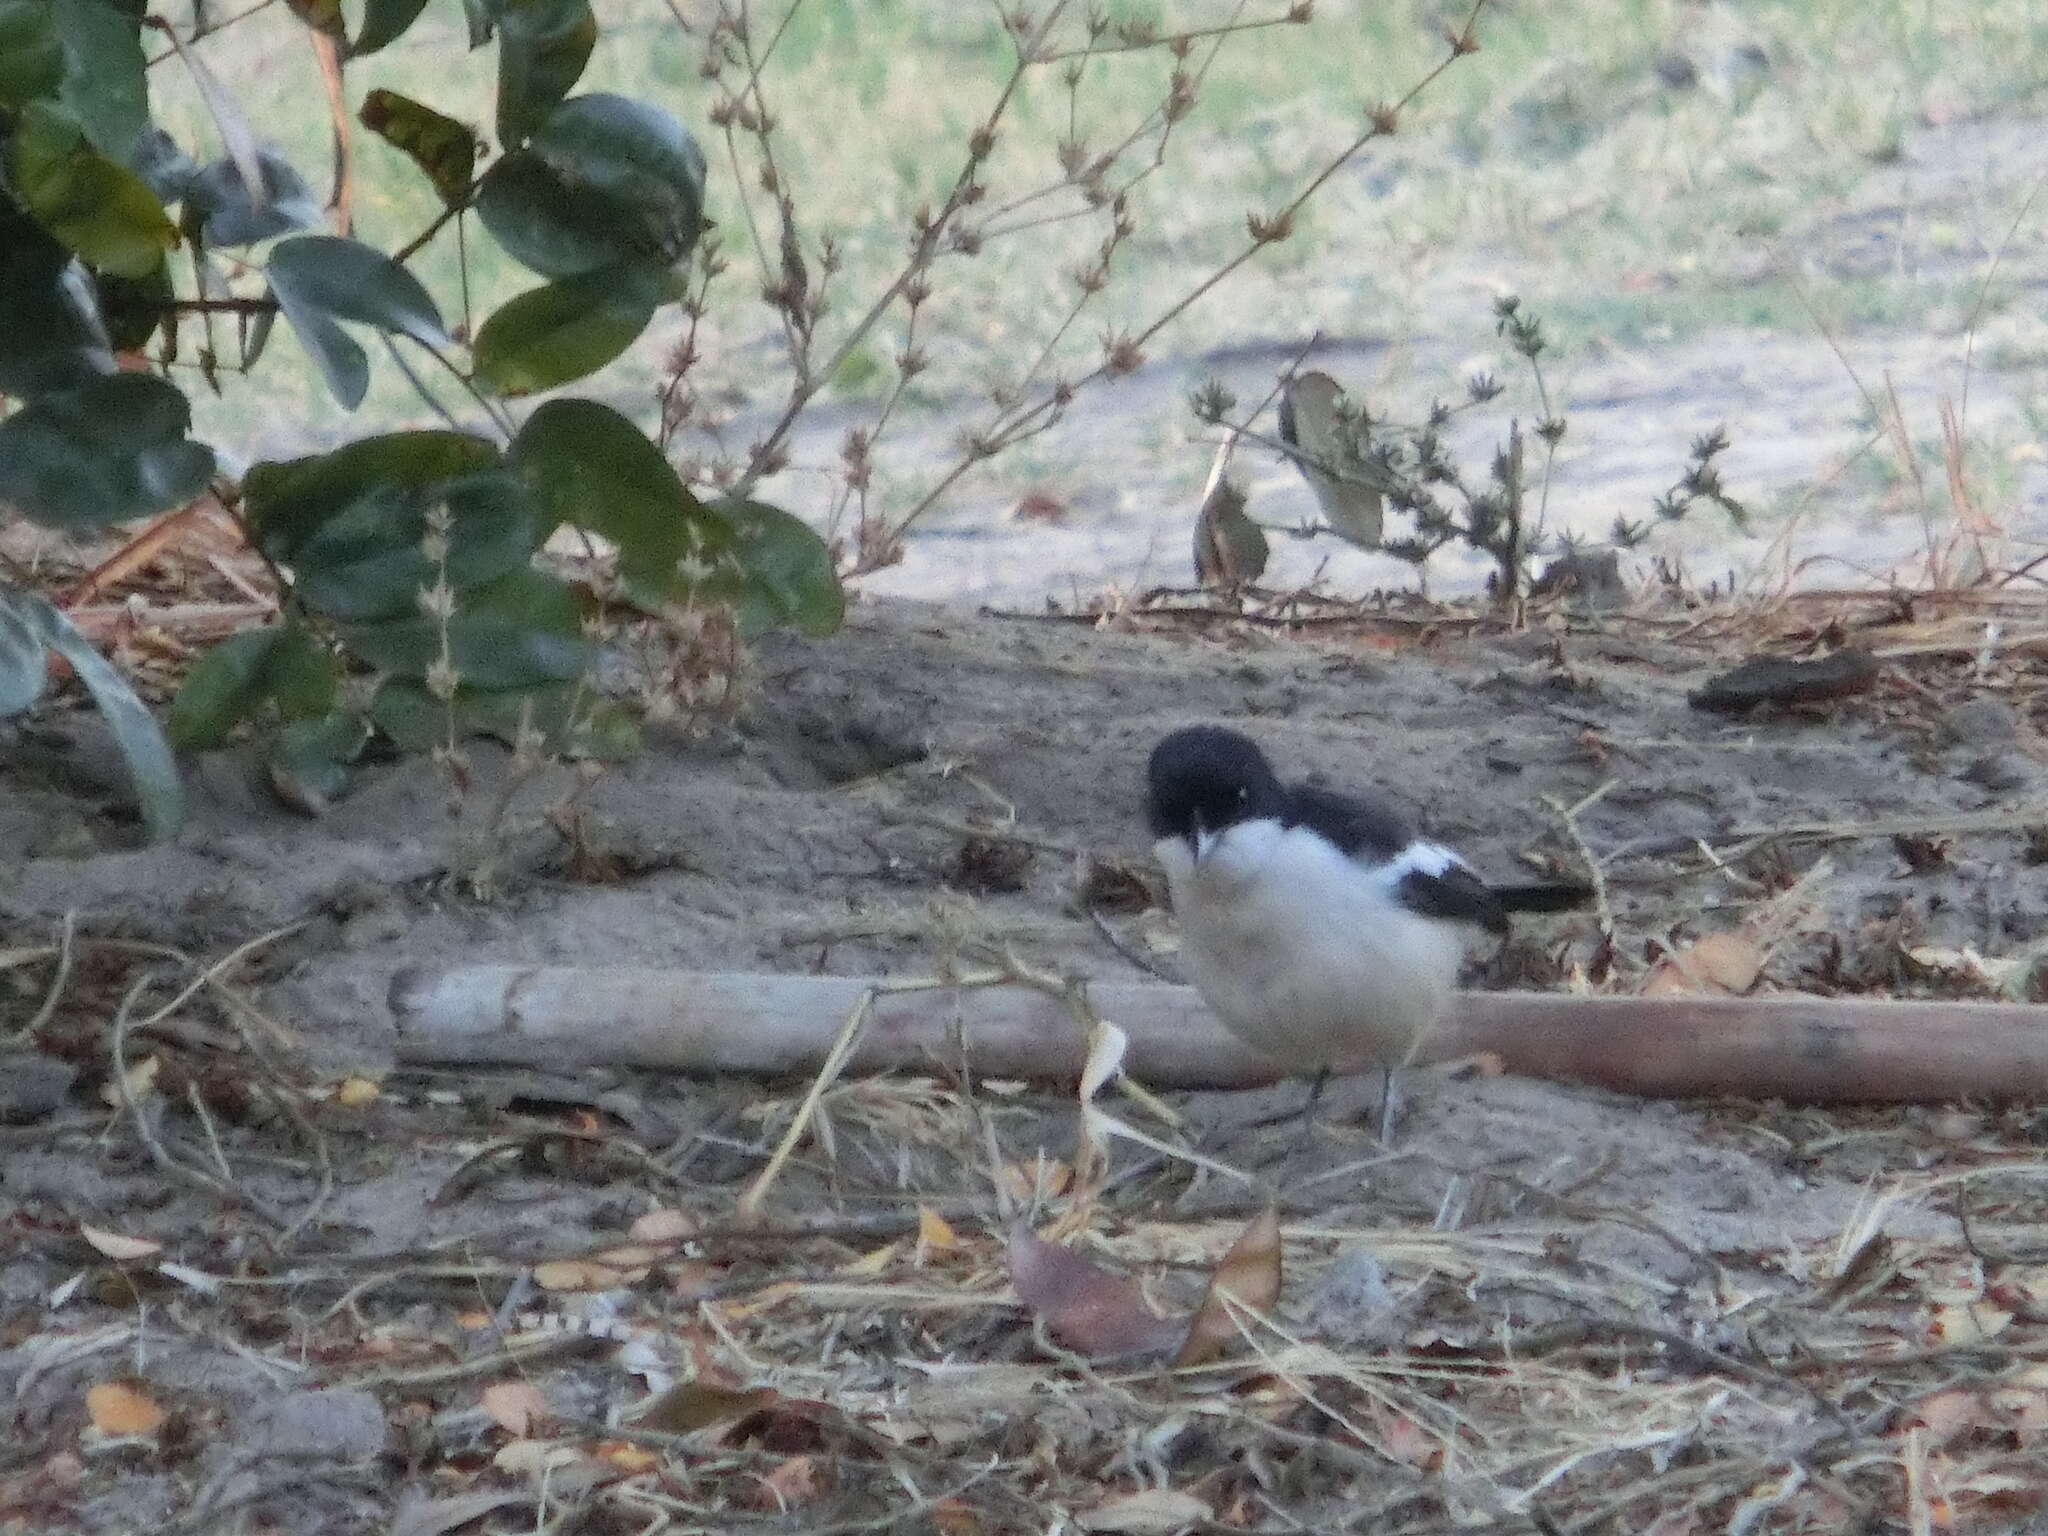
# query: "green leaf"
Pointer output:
{"type": "Point", "coordinates": [351, 523]}
{"type": "Point", "coordinates": [53, 338]}
{"type": "Point", "coordinates": [384, 23]}
{"type": "Point", "coordinates": [103, 211]}
{"type": "Point", "coordinates": [440, 146]}
{"type": "Point", "coordinates": [163, 165]}
{"type": "Point", "coordinates": [232, 681]}
{"type": "Point", "coordinates": [109, 451]}
{"type": "Point", "coordinates": [568, 329]}
{"type": "Point", "coordinates": [309, 760]}
{"type": "Point", "coordinates": [24, 654]}
{"type": "Point", "coordinates": [135, 306]}
{"type": "Point", "coordinates": [218, 201]}
{"type": "Point", "coordinates": [320, 279]}
{"type": "Point", "coordinates": [788, 570]}
{"type": "Point", "coordinates": [105, 84]}
{"type": "Point", "coordinates": [593, 469]}
{"type": "Point", "coordinates": [606, 180]}
{"type": "Point", "coordinates": [31, 52]}
{"type": "Point", "coordinates": [548, 226]}
{"type": "Point", "coordinates": [417, 721]}
{"type": "Point", "coordinates": [27, 618]}
{"type": "Point", "coordinates": [287, 502]}
{"type": "Point", "coordinates": [353, 281]}
{"type": "Point", "coordinates": [633, 152]}
{"type": "Point", "coordinates": [542, 48]}
{"type": "Point", "coordinates": [321, 15]}
{"type": "Point", "coordinates": [520, 631]}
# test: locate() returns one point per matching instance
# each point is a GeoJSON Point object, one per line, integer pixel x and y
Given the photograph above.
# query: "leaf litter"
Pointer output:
{"type": "Point", "coordinates": [978, 1307]}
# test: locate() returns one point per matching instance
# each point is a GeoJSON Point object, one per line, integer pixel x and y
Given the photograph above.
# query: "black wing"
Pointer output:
{"type": "Point", "coordinates": [1360, 825]}
{"type": "Point", "coordinates": [1456, 895]}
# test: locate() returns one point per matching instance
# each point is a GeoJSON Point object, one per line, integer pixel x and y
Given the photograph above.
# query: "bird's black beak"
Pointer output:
{"type": "Point", "coordinates": [1200, 840]}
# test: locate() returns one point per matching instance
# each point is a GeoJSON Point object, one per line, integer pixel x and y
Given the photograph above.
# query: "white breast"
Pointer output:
{"type": "Point", "coordinates": [1305, 953]}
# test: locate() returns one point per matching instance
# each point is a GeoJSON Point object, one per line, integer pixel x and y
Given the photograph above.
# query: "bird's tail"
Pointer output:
{"type": "Point", "coordinates": [1545, 896]}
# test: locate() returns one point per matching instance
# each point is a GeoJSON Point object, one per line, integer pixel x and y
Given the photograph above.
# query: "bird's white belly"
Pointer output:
{"type": "Point", "coordinates": [1306, 955]}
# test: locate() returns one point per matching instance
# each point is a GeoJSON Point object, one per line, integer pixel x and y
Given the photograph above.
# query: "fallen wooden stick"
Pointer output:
{"type": "Point", "coordinates": [1800, 1048]}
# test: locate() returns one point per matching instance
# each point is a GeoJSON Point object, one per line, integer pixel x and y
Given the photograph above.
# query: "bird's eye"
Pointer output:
{"type": "Point", "coordinates": [1243, 793]}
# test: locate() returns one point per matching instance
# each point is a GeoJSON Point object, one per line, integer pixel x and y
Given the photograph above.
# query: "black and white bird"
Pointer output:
{"type": "Point", "coordinates": [1318, 926]}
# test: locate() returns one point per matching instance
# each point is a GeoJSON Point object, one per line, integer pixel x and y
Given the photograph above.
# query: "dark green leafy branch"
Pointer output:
{"type": "Point", "coordinates": [417, 598]}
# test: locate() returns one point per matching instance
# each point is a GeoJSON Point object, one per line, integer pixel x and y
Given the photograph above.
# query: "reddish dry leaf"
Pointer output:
{"type": "Point", "coordinates": [1408, 1442]}
{"type": "Point", "coordinates": [793, 1483]}
{"type": "Point", "coordinates": [1083, 1305]}
{"type": "Point", "coordinates": [1038, 507]}
{"type": "Point", "coordinates": [1249, 1274]}
{"type": "Point", "coordinates": [516, 1406]}
{"type": "Point", "coordinates": [954, 1516]}
{"type": "Point", "coordinates": [119, 1409]}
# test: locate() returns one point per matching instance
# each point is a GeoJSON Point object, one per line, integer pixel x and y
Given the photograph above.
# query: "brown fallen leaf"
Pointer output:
{"type": "Point", "coordinates": [1038, 507]}
{"type": "Point", "coordinates": [632, 1460]}
{"type": "Point", "coordinates": [117, 1408]}
{"type": "Point", "coordinates": [1727, 962]}
{"type": "Point", "coordinates": [591, 1274]}
{"type": "Point", "coordinates": [1230, 549]}
{"type": "Point", "coordinates": [693, 1405]}
{"type": "Point", "coordinates": [1084, 1306]}
{"type": "Point", "coordinates": [1248, 1274]}
{"type": "Point", "coordinates": [794, 1482]}
{"type": "Point", "coordinates": [954, 1516]}
{"type": "Point", "coordinates": [516, 1406]}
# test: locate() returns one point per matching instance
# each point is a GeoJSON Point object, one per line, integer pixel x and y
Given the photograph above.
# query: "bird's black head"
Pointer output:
{"type": "Point", "coordinates": [1204, 779]}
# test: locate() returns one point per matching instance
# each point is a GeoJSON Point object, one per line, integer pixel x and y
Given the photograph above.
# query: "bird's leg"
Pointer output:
{"type": "Point", "coordinates": [1387, 1103]}
{"type": "Point", "coordinates": [1308, 1112]}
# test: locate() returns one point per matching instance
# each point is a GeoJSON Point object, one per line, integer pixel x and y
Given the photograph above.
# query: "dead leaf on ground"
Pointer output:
{"type": "Point", "coordinates": [693, 1405]}
{"type": "Point", "coordinates": [436, 1517]}
{"type": "Point", "coordinates": [357, 1093]}
{"type": "Point", "coordinates": [1084, 1306]}
{"type": "Point", "coordinates": [1727, 963]}
{"type": "Point", "coordinates": [1148, 1512]}
{"type": "Point", "coordinates": [516, 1406]}
{"type": "Point", "coordinates": [590, 1274]}
{"type": "Point", "coordinates": [1249, 1274]}
{"type": "Point", "coordinates": [663, 1224]}
{"type": "Point", "coordinates": [1230, 549]}
{"type": "Point", "coordinates": [1038, 507]}
{"type": "Point", "coordinates": [934, 1234]}
{"type": "Point", "coordinates": [794, 1482]}
{"type": "Point", "coordinates": [116, 1408]}
{"type": "Point", "coordinates": [122, 1250]}
{"type": "Point", "coordinates": [954, 1516]}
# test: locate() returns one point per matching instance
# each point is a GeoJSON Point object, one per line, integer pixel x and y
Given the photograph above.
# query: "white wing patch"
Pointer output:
{"type": "Point", "coordinates": [1417, 858]}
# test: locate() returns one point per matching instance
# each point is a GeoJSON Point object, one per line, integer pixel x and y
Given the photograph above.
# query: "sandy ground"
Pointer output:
{"type": "Point", "coordinates": [823, 833]}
